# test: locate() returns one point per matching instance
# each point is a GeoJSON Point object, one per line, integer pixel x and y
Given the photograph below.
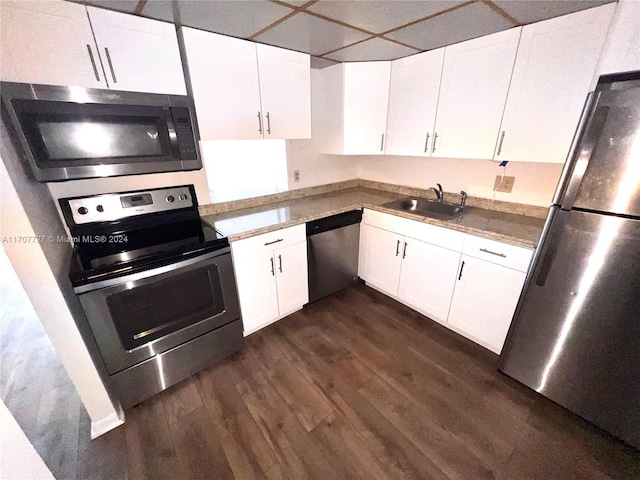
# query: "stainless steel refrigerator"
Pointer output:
{"type": "Point", "coordinates": [575, 337]}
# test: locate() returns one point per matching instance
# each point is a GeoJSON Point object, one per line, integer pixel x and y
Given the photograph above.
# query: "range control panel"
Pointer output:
{"type": "Point", "coordinates": [116, 206]}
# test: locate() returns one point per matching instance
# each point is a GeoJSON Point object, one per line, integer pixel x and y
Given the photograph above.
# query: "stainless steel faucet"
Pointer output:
{"type": "Point", "coordinates": [438, 191]}
{"type": "Point", "coordinates": [464, 198]}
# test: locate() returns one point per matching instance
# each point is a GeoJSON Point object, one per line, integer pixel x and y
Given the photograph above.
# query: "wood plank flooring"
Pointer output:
{"type": "Point", "coordinates": [355, 386]}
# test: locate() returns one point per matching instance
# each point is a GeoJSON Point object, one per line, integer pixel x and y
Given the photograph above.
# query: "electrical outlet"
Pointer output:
{"type": "Point", "coordinates": [503, 185]}
{"type": "Point", "coordinates": [296, 175]}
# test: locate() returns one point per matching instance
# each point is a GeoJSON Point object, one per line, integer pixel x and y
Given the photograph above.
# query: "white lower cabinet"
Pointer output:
{"type": "Point", "coordinates": [380, 258]}
{"type": "Point", "coordinates": [272, 282]}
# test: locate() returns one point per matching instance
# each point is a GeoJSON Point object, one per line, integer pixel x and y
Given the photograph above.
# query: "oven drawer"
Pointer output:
{"type": "Point", "coordinates": [267, 242]}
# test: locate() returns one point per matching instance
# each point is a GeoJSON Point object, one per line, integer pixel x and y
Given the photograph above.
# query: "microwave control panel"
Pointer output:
{"type": "Point", "coordinates": [184, 133]}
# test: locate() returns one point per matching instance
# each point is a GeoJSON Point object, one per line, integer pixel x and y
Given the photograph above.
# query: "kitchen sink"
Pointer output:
{"type": "Point", "coordinates": [427, 208]}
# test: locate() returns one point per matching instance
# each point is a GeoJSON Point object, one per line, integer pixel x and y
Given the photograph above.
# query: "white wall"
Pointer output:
{"type": "Point", "coordinates": [534, 185]}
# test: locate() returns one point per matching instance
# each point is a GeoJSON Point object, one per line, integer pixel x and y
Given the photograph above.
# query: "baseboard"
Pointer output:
{"type": "Point", "coordinates": [109, 423]}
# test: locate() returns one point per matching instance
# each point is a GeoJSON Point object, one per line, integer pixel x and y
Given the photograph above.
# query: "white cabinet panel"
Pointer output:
{"type": "Point", "coordinates": [49, 43]}
{"type": "Point", "coordinates": [413, 101]}
{"type": "Point", "coordinates": [473, 91]}
{"type": "Point", "coordinates": [485, 300]}
{"type": "Point", "coordinates": [224, 80]}
{"type": "Point", "coordinates": [257, 291]}
{"type": "Point", "coordinates": [380, 258]}
{"type": "Point", "coordinates": [285, 92]}
{"type": "Point", "coordinates": [138, 54]}
{"type": "Point", "coordinates": [427, 278]}
{"type": "Point", "coordinates": [366, 100]}
{"type": "Point", "coordinates": [552, 75]}
{"type": "Point", "coordinates": [622, 49]}
{"type": "Point", "coordinates": [291, 277]}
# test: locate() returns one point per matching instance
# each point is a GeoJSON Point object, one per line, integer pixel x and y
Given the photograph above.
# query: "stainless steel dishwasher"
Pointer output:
{"type": "Point", "coordinates": [332, 245]}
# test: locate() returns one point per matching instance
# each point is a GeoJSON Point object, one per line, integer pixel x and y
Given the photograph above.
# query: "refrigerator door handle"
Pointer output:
{"type": "Point", "coordinates": [584, 153]}
{"type": "Point", "coordinates": [550, 247]}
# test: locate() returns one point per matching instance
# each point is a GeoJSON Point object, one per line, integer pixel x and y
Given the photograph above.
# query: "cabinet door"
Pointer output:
{"type": "Point", "coordinates": [427, 277]}
{"type": "Point", "coordinates": [224, 81]}
{"type": "Point", "coordinates": [552, 75]}
{"type": "Point", "coordinates": [257, 291]}
{"type": "Point", "coordinates": [380, 258]}
{"type": "Point", "coordinates": [484, 301]}
{"type": "Point", "coordinates": [49, 43]}
{"type": "Point", "coordinates": [292, 278]}
{"type": "Point", "coordinates": [413, 100]}
{"type": "Point", "coordinates": [622, 49]}
{"type": "Point", "coordinates": [285, 92]}
{"type": "Point", "coordinates": [473, 91]}
{"type": "Point", "coordinates": [366, 99]}
{"type": "Point", "coordinates": [138, 54]}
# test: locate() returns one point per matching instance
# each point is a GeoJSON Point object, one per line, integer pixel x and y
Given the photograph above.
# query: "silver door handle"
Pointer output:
{"type": "Point", "coordinates": [435, 139]}
{"type": "Point", "coordinates": [113, 73]}
{"type": "Point", "coordinates": [500, 144]}
{"type": "Point", "coordinates": [273, 270]}
{"type": "Point", "coordinates": [398, 248]}
{"type": "Point", "coordinates": [93, 62]}
{"type": "Point", "coordinates": [280, 260]}
{"type": "Point", "coordinates": [271, 243]}
{"type": "Point", "coordinates": [426, 144]}
{"type": "Point", "coordinates": [493, 253]}
{"type": "Point", "coordinates": [268, 124]}
{"type": "Point", "coordinates": [461, 268]}
{"type": "Point", "coordinates": [404, 252]}
{"type": "Point", "coordinates": [382, 143]}
{"type": "Point", "coordinates": [259, 123]}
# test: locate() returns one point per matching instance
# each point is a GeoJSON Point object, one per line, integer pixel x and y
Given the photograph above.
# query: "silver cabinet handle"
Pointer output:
{"type": "Point", "coordinates": [273, 271]}
{"type": "Point", "coordinates": [493, 253]}
{"type": "Point", "coordinates": [426, 143]}
{"type": "Point", "coordinates": [259, 123]}
{"type": "Point", "coordinates": [113, 73]}
{"type": "Point", "coordinates": [271, 243]}
{"type": "Point", "coordinates": [435, 139]}
{"type": "Point", "coordinates": [93, 62]}
{"type": "Point", "coordinates": [280, 261]}
{"type": "Point", "coordinates": [500, 144]}
{"type": "Point", "coordinates": [461, 268]}
{"type": "Point", "coordinates": [404, 251]}
{"type": "Point", "coordinates": [398, 248]}
{"type": "Point", "coordinates": [382, 143]}
{"type": "Point", "coordinates": [268, 124]}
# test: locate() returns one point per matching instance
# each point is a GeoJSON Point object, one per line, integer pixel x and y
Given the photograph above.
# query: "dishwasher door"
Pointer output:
{"type": "Point", "coordinates": [332, 249]}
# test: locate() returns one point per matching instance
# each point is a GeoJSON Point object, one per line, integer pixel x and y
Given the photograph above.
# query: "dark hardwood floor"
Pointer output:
{"type": "Point", "coordinates": [355, 386]}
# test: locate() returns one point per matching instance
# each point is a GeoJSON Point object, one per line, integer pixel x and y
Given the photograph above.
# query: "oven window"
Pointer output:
{"type": "Point", "coordinates": [149, 311]}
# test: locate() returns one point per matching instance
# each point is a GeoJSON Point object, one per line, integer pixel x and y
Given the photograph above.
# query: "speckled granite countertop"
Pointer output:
{"type": "Point", "coordinates": [238, 224]}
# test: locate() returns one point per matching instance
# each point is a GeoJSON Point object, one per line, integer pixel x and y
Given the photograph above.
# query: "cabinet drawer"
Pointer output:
{"type": "Point", "coordinates": [267, 242]}
{"type": "Point", "coordinates": [499, 253]}
{"type": "Point", "coordinates": [442, 237]}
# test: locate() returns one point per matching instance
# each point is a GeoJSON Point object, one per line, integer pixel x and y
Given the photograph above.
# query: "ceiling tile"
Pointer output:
{"type": "Point", "coordinates": [380, 16]}
{"type": "Point", "coordinates": [374, 49]}
{"type": "Point", "coordinates": [317, 62]}
{"type": "Point", "coordinates": [529, 11]}
{"type": "Point", "coordinates": [128, 6]}
{"type": "Point", "coordinates": [310, 34]}
{"type": "Point", "coordinates": [468, 22]}
{"type": "Point", "coordinates": [236, 18]}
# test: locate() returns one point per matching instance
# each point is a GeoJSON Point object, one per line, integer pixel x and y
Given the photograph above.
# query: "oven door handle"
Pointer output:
{"type": "Point", "coordinates": [98, 284]}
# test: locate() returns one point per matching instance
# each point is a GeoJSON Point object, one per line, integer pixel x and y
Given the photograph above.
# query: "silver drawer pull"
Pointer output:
{"type": "Point", "coordinates": [493, 253]}
{"type": "Point", "coordinates": [275, 241]}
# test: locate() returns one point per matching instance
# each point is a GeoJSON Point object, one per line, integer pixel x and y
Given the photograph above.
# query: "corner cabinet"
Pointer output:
{"type": "Point", "coordinates": [62, 43]}
{"type": "Point", "coordinates": [271, 275]}
{"type": "Point", "coordinates": [245, 91]}
{"type": "Point", "coordinates": [355, 98]}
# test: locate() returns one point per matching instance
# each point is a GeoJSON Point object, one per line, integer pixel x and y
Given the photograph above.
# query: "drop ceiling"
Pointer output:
{"type": "Point", "coordinates": [349, 31]}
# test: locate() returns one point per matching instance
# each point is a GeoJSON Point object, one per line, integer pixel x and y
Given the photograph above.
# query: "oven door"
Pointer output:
{"type": "Point", "coordinates": [136, 317]}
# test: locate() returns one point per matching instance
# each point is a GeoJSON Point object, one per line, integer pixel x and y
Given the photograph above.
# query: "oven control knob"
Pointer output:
{"type": "Point", "coordinates": [83, 210]}
{"type": "Point", "coordinates": [182, 197]}
{"type": "Point", "coordinates": [100, 208]}
{"type": "Point", "coordinates": [170, 199]}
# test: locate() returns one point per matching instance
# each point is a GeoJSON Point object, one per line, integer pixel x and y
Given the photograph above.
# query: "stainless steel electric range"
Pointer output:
{"type": "Point", "coordinates": [156, 284]}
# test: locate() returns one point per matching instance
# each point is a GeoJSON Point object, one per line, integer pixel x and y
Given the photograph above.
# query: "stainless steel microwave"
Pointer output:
{"type": "Point", "coordinates": [69, 133]}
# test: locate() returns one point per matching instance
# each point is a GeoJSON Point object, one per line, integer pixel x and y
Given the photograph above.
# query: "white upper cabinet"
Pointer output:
{"type": "Point", "coordinates": [622, 49]}
{"type": "Point", "coordinates": [48, 43]}
{"type": "Point", "coordinates": [355, 100]}
{"type": "Point", "coordinates": [413, 101]}
{"type": "Point", "coordinates": [552, 75]}
{"type": "Point", "coordinates": [138, 54]}
{"type": "Point", "coordinates": [247, 91]}
{"type": "Point", "coordinates": [473, 91]}
{"type": "Point", "coordinates": [285, 92]}
{"type": "Point", "coordinates": [224, 82]}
